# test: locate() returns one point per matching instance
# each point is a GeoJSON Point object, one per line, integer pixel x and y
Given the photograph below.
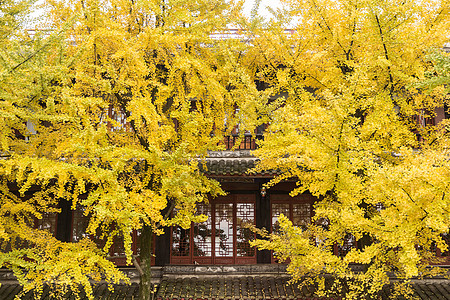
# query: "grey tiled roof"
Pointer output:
{"type": "Point", "coordinates": [8, 291]}
{"type": "Point", "coordinates": [228, 166]}
{"type": "Point", "coordinates": [229, 163]}
{"type": "Point", "coordinates": [424, 290]}
{"type": "Point", "coordinates": [227, 287]}
{"type": "Point", "coordinates": [220, 287]}
{"type": "Point", "coordinates": [271, 287]}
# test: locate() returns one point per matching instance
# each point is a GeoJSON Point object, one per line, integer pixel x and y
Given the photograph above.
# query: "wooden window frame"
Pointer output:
{"type": "Point", "coordinates": [445, 258]}
{"type": "Point", "coordinates": [118, 260]}
{"type": "Point", "coordinates": [39, 222]}
{"type": "Point", "coordinates": [190, 259]}
{"type": "Point", "coordinates": [286, 199]}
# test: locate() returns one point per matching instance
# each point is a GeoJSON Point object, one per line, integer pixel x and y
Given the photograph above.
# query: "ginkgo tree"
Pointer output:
{"type": "Point", "coordinates": [172, 93]}
{"type": "Point", "coordinates": [347, 132]}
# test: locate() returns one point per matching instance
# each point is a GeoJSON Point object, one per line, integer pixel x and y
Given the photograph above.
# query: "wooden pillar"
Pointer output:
{"type": "Point", "coordinates": [263, 220]}
{"type": "Point", "coordinates": [64, 221]}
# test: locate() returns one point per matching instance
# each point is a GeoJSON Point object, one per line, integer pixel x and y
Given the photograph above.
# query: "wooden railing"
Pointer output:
{"type": "Point", "coordinates": [247, 142]}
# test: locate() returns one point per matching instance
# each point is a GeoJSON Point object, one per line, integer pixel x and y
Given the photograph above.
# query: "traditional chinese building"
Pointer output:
{"type": "Point", "coordinates": [213, 259]}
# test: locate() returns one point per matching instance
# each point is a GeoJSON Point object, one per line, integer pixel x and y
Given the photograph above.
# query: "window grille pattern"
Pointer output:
{"type": "Point", "coordinates": [348, 244]}
{"type": "Point", "coordinates": [80, 224]}
{"type": "Point", "coordinates": [423, 118]}
{"type": "Point", "coordinates": [444, 256]}
{"type": "Point", "coordinates": [117, 248]}
{"type": "Point", "coordinates": [120, 119]}
{"type": "Point", "coordinates": [48, 222]}
{"type": "Point", "coordinates": [245, 215]}
{"type": "Point", "coordinates": [223, 238]}
{"type": "Point", "coordinates": [277, 210]}
{"type": "Point", "coordinates": [247, 141]}
{"type": "Point", "coordinates": [301, 214]}
{"type": "Point", "coordinates": [180, 241]}
{"type": "Point", "coordinates": [203, 232]}
{"type": "Point", "coordinates": [224, 230]}
{"type": "Point", "coordinates": [298, 210]}
{"type": "Point", "coordinates": [446, 238]}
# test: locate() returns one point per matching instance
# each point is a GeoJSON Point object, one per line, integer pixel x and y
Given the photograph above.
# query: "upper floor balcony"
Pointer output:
{"type": "Point", "coordinates": [248, 141]}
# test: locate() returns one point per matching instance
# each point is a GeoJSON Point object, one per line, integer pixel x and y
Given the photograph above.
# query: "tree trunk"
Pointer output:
{"type": "Point", "coordinates": [146, 288]}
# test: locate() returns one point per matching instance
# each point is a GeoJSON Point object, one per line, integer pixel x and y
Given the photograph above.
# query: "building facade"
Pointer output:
{"type": "Point", "coordinates": [224, 238]}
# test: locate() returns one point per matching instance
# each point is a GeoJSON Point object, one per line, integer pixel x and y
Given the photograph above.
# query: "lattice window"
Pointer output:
{"type": "Point", "coordinates": [117, 248]}
{"type": "Point", "coordinates": [180, 241]}
{"type": "Point", "coordinates": [277, 210]}
{"type": "Point", "coordinates": [224, 230]}
{"type": "Point", "coordinates": [48, 222]}
{"type": "Point", "coordinates": [297, 209]}
{"type": "Point", "coordinates": [424, 118]}
{"type": "Point", "coordinates": [80, 223]}
{"type": "Point", "coordinates": [348, 244]}
{"type": "Point", "coordinates": [223, 238]}
{"type": "Point", "coordinates": [245, 215]}
{"type": "Point", "coordinates": [202, 233]}
{"type": "Point", "coordinates": [119, 117]}
{"type": "Point", "coordinates": [446, 253]}
{"type": "Point", "coordinates": [446, 238]}
{"type": "Point", "coordinates": [301, 214]}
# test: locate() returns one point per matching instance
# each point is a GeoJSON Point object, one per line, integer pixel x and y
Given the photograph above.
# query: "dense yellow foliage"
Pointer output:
{"type": "Point", "coordinates": [348, 74]}
{"type": "Point", "coordinates": [152, 63]}
{"type": "Point", "coordinates": [345, 132]}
